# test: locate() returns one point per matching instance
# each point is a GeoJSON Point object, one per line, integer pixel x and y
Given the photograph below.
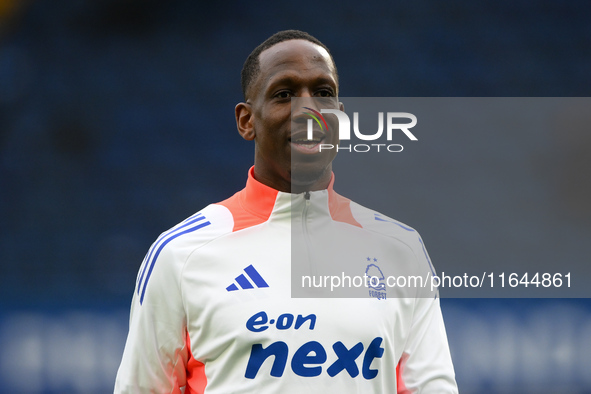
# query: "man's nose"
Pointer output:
{"type": "Point", "coordinates": [303, 101]}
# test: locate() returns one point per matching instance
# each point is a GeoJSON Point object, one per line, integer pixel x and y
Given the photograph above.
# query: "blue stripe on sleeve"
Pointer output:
{"type": "Point", "coordinates": [163, 242]}
{"type": "Point", "coordinates": [427, 256]}
{"type": "Point", "coordinates": [198, 217]}
{"type": "Point", "coordinates": [381, 219]}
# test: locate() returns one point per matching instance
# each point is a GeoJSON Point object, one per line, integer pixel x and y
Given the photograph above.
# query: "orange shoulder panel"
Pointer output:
{"type": "Point", "coordinates": [340, 209]}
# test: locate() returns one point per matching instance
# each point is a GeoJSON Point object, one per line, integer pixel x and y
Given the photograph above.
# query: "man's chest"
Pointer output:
{"type": "Point", "coordinates": [240, 312]}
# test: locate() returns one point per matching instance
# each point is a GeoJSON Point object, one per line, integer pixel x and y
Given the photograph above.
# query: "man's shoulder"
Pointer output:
{"type": "Point", "coordinates": [392, 230]}
{"type": "Point", "coordinates": [198, 229]}
{"type": "Point", "coordinates": [169, 252]}
{"type": "Point", "coordinates": [215, 221]}
{"type": "Point", "coordinates": [375, 221]}
{"type": "Point", "coordinates": [214, 214]}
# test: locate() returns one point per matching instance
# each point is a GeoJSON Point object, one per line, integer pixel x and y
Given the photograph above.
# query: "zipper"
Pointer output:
{"type": "Point", "coordinates": [306, 234]}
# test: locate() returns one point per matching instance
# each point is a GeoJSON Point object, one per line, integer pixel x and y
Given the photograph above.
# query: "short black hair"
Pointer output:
{"type": "Point", "coordinates": [251, 66]}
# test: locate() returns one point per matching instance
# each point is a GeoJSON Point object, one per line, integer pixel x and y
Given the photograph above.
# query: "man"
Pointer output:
{"type": "Point", "coordinates": [213, 312]}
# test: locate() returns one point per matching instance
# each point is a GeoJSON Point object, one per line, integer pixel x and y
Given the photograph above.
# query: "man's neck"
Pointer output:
{"type": "Point", "coordinates": [295, 185]}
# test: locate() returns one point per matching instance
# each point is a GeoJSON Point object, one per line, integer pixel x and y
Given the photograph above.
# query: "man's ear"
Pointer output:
{"type": "Point", "coordinates": [244, 121]}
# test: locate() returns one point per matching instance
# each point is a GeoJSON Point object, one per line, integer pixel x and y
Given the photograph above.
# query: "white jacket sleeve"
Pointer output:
{"type": "Point", "coordinates": [426, 366]}
{"type": "Point", "coordinates": [155, 353]}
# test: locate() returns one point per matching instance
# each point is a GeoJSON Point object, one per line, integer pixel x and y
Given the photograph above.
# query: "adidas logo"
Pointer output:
{"type": "Point", "coordinates": [244, 283]}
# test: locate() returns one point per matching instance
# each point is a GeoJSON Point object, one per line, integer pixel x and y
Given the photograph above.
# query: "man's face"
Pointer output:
{"type": "Point", "coordinates": [284, 158]}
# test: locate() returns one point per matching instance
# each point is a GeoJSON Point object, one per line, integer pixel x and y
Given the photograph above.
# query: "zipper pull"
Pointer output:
{"type": "Point", "coordinates": [307, 196]}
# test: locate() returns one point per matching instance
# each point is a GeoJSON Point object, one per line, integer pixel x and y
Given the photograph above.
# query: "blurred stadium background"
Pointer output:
{"type": "Point", "coordinates": [116, 122]}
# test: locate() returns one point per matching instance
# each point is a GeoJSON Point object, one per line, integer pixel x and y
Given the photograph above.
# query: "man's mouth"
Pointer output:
{"type": "Point", "coordinates": [305, 141]}
{"type": "Point", "coordinates": [304, 145]}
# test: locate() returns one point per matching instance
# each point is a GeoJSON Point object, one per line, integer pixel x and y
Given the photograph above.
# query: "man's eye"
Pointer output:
{"type": "Point", "coordinates": [325, 93]}
{"type": "Point", "coordinates": [283, 94]}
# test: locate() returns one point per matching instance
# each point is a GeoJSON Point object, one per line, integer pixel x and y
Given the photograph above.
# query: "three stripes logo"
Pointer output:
{"type": "Point", "coordinates": [244, 283]}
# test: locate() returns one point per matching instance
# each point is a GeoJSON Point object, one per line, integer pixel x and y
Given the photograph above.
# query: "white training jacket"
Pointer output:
{"type": "Point", "coordinates": [216, 307]}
